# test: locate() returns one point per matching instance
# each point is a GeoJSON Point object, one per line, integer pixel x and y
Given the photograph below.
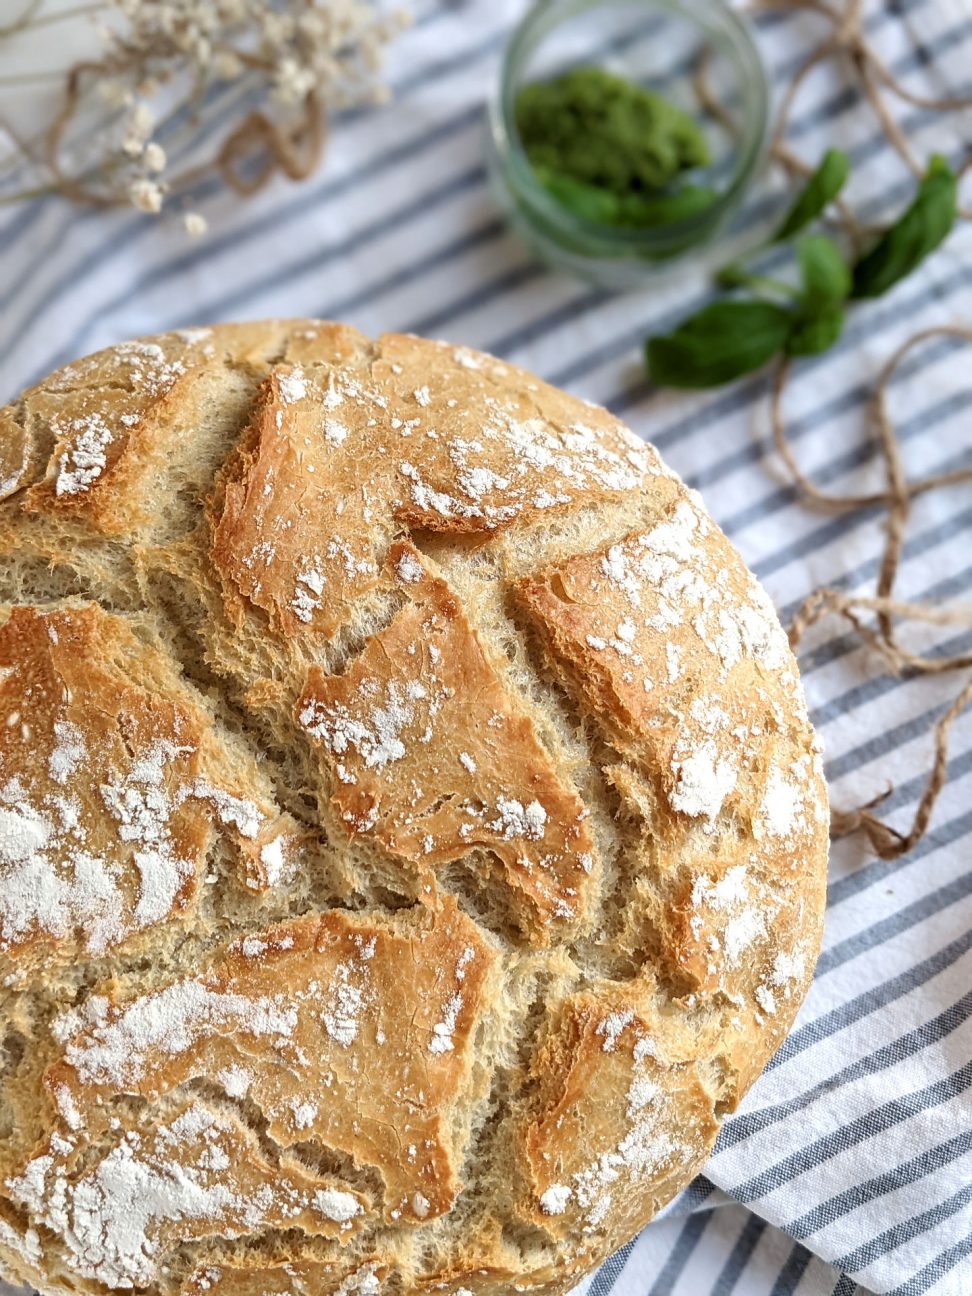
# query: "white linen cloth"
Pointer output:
{"type": "Point", "coordinates": [850, 1162]}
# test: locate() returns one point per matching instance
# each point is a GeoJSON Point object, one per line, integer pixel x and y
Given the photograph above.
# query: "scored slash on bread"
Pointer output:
{"type": "Point", "coordinates": [314, 490]}
{"type": "Point", "coordinates": [668, 640]}
{"type": "Point", "coordinates": [412, 838]}
{"type": "Point", "coordinates": [424, 746]}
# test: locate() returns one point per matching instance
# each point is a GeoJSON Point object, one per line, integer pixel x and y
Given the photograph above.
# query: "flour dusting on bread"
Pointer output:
{"type": "Point", "coordinates": [412, 838]}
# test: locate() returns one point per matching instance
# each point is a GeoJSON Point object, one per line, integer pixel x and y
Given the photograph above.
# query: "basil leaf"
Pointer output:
{"type": "Point", "coordinates": [819, 317]}
{"type": "Point", "coordinates": [909, 240]}
{"type": "Point", "coordinates": [666, 209]}
{"type": "Point", "coordinates": [602, 207]}
{"type": "Point", "coordinates": [825, 276]}
{"type": "Point", "coordinates": [733, 275]}
{"type": "Point", "coordinates": [816, 330]}
{"type": "Point", "coordinates": [723, 341]}
{"type": "Point", "coordinates": [589, 202]}
{"type": "Point", "coordinates": [821, 188]}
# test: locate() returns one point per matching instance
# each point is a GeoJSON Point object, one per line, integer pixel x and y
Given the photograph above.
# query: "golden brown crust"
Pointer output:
{"type": "Point", "coordinates": [113, 418]}
{"type": "Point", "coordinates": [484, 445]}
{"type": "Point", "coordinates": [351, 439]}
{"type": "Point", "coordinates": [298, 520]}
{"type": "Point", "coordinates": [111, 790]}
{"type": "Point", "coordinates": [427, 753]}
{"type": "Point", "coordinates": [289, 1278]}
{"type": "Point", "coordinates": [288, 1019]}
{"type": "Point", "coordinates": [16, 449]}
{"type": "Point", "coordinates": [668, 640]}
{"type": "Point", "coordinates": [600, 1070]}
{"type": "Point", "coordinates": [412, 838]}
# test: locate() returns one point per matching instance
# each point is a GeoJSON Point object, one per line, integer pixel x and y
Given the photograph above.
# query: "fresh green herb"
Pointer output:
{"type": "Point", "coordinates": [589, 202]}
{"type": "Point", "coordinates": [825, 276]}
{"type": "Point", "coordinates": [604, 130]}
{"type": "Point", "coordinates": [735, 276]}
{"type": "Point", "coordinates": [917, 232]}
{"type": "Point", "coordinates": [821, 188]}
{"type": "Point", "coordinates": [818, 316]}
{"type": "Point", "coordinates": [593, 203]}
{"type": "Point", "coordinates": [730, 338]}
{"type": "Point", "coordinates": [722, 342]}
{"type": "Point", "coordinates": [815, 329]}
{"type": "Point", "coordinates": [679, 205]}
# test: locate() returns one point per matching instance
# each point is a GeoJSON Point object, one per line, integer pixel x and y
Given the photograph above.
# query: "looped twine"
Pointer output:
{"type": "Point", "coordinates": [846, 39]}
{"type": "Point", "coordinates": [886, 842]}
{"type": "Point", "coordinates": [294, 149]}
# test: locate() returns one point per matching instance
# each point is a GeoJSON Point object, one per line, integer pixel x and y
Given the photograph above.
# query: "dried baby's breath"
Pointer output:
{"type": "Point", "coordinates": [196, 225]}
{"type": "Point", "coordinates": [123, 120]}
{"type": "Point", "coordinates": [146, 195]}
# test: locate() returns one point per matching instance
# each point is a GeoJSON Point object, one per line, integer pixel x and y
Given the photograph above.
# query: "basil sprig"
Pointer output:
{"type": "Point", "coordinates": [737, 336]}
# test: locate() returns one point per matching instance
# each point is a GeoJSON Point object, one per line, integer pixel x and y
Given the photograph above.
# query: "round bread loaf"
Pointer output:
{"type": "Point", "coordinates": [412, 839]}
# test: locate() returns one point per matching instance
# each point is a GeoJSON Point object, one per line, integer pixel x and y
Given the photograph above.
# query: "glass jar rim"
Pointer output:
{"type": "Point", "coordinates": [713, 16]}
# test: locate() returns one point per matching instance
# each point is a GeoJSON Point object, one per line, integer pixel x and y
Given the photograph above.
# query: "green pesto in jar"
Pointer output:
{"type": "Point", "coordinates": [610, 151]}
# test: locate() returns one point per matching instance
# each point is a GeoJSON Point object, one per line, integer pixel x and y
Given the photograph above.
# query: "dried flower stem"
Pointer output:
{"type": "Point", "coordinates": [21, 23]}
{"type": "Point", "coordinates": [304, 57]}
{"type": "Point", "coordinates": [27, 21]}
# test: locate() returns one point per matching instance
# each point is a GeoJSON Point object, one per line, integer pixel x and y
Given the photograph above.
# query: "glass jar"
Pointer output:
{"type": "Point", "coordinates": [662, 45]}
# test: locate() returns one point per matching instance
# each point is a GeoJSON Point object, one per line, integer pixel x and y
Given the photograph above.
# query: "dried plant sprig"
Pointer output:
{"type": "Point", "coordinates": [293, 61]}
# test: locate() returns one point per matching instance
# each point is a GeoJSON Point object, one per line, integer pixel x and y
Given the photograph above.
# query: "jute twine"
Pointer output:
{"type": "Point", "coordinates": [845, 40]}
{"type": "Point", "coordinates": [880, 634]}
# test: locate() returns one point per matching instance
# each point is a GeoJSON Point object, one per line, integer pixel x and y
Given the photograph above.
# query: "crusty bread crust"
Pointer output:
{"type": "Point", "coordinates": [412, 837]}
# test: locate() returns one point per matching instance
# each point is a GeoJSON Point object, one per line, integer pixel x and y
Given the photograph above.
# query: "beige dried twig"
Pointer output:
{"type": "Point", "coordinates": [302, 58]}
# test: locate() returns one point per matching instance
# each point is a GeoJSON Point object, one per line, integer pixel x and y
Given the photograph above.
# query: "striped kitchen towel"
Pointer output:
{"type": "Point", "coordinates": [849, 1166]}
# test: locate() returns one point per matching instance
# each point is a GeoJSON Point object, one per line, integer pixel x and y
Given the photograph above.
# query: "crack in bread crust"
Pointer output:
{"type": "Point", "coordinates": [414, 843]}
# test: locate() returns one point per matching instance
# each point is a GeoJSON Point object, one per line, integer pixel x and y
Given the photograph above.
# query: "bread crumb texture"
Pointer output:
{"type": "Point", "coordinates": [412, 838]}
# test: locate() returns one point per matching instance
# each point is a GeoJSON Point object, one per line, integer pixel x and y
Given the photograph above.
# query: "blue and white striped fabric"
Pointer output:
{"type": "Point", "coordinates": [849, 1167]}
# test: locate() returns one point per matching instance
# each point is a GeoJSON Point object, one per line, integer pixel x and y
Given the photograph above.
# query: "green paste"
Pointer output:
{"type": "Point", "coordinates": [611, 151]}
